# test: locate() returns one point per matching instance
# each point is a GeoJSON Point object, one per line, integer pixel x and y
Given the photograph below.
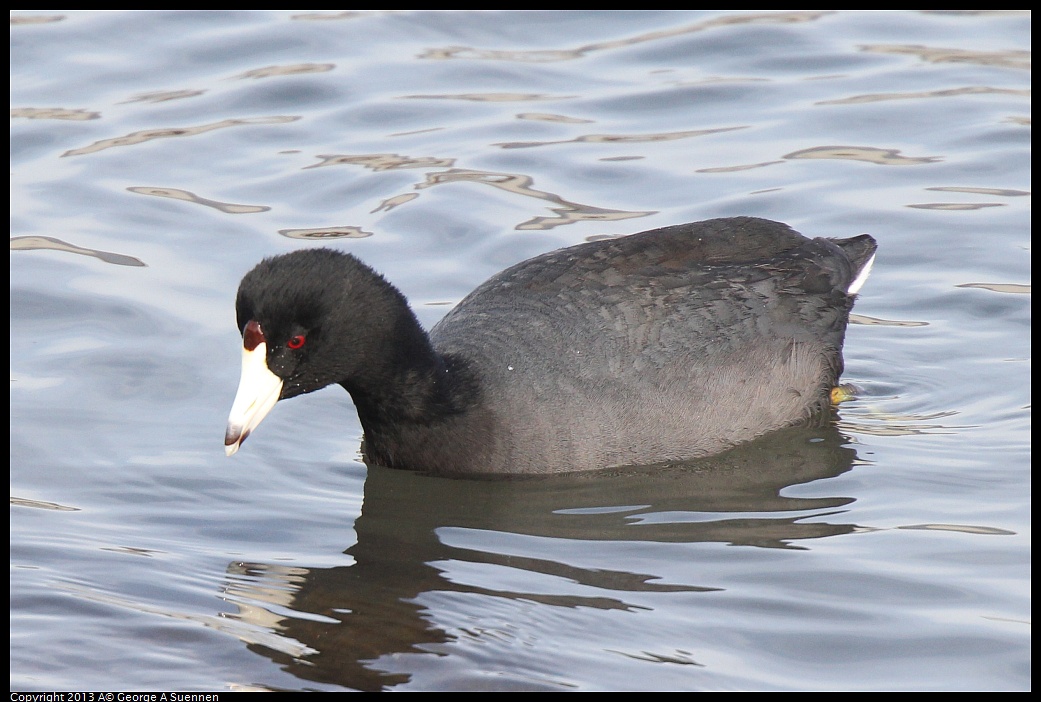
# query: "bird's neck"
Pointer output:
{"type": "Point", "coordinates": [411, 412]}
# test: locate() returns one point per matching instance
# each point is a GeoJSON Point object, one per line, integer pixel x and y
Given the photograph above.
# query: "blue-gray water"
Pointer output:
{"type": "Point", "coordinates": [157, 156]}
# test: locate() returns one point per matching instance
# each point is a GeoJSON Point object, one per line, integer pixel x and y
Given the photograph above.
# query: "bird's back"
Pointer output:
{"type": "Point", "coordinates": [667, 344]}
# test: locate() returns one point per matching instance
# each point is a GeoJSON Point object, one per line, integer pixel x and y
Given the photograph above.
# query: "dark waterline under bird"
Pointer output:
{"type": "Point", "coordinates": [669, 344]}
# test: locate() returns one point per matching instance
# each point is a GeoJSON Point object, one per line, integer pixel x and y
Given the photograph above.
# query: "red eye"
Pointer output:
{"type": "Point", "coordinates": [296, 342]}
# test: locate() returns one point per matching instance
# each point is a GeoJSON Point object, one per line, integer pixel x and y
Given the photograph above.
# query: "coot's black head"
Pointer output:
{"type": "Point", "coordinates": [310, 319]}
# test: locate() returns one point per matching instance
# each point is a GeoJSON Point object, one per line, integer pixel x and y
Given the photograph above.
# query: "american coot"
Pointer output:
{"type": "Point", "coordinates": [670, 344]}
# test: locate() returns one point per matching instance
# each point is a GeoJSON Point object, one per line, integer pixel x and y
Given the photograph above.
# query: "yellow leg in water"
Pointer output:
{"type": "Point", "coordinates": [843, 392]}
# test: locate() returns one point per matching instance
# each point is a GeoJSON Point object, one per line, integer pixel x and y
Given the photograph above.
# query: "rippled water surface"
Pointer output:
{"type": "Point", "coordinates": [157, 156]}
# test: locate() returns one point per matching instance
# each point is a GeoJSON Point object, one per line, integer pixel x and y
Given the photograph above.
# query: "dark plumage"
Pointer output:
{"type": "Point", "coordinates": [665, 345]}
